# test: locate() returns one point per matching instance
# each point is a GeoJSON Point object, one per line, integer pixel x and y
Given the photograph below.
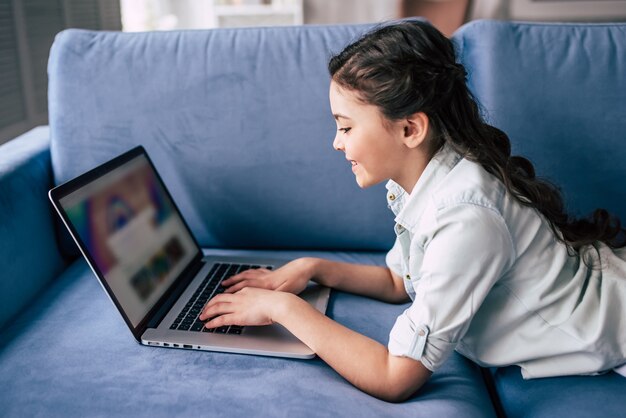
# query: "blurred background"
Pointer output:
{"type": "Point", "coordinates": [28, 27]}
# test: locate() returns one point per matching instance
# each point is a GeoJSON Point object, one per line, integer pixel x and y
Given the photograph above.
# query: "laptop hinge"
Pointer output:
{"type": "Point", "coordinates": [160, 314]}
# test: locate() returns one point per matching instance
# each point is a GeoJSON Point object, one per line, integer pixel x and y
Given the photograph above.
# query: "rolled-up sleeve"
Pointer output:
{"type": "Point", "coordinates": [467, 248]}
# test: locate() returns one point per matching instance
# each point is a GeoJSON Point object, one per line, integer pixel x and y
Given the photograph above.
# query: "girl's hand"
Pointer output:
{"type": "Point", "coordinates": [292, 277]}
{"type": "Point", "coordinates": [249, 306]}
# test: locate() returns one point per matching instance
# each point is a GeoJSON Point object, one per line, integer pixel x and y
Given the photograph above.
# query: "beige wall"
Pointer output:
{"type": "Point", "coordinates": [349, 11]}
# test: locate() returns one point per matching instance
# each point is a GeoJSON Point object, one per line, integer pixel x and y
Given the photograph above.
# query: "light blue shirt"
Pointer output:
{"type": "Point", "coordinates": [489, 279]}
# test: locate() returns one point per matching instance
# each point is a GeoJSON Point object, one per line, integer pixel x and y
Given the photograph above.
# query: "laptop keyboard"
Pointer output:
{"type": "Point", "coordinates": [188, 319]}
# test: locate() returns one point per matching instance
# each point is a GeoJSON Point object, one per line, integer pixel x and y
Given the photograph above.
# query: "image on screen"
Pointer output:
{"type": "Point", "coordinates": [133, 234]}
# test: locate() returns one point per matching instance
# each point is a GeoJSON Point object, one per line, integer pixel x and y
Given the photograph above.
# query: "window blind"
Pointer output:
{"type": "Point", "coordinates": [27, 30]}
{"type": "Point", "coordinates": [42, 20]}
{"type": "Point", "coordinates": [12, 106]}
{"type": "Point", "coordinates": [83, 14]}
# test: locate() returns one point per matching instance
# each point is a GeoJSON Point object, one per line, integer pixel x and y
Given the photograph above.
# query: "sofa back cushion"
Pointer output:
{"type": "Point", "coordinates": [237, 122]}
{"type": "Point", "coordinates": [559, 92]}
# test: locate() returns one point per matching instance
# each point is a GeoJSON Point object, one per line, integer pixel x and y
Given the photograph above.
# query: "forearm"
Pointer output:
{"type": "Point", "coordinates": [371, 281]}
{"type": "Point", "coordinates": [362, 361]}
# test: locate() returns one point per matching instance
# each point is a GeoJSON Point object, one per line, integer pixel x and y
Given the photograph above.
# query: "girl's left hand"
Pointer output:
{"type": "Point", "coordinates": [249, 306]}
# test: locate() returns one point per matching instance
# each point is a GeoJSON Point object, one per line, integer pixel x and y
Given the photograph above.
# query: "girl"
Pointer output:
{"type": "Point", "coordinates": [495, 268]}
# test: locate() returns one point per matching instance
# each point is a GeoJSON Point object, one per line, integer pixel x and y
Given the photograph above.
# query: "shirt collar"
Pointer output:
{"type": "Point", "coordinates": [408, 208]}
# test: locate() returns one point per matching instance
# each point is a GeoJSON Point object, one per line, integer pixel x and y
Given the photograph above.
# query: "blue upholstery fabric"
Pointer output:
{"type": "Point", "coordinates": [237, 121]}
{"type": "Point", "coordinates": [571, 396]}
{"type": "Point", "coordinates": [28, 252]}
{"type": "Point", "coordinates": [71, 355]}
{"type": "Point", "coordinates": [557, 90]}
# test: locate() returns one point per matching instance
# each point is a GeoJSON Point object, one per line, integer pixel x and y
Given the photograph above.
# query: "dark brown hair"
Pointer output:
{"type": "Point", "coordinates": [408, 67]}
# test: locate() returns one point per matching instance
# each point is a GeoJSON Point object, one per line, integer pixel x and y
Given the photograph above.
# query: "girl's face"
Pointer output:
{"type": "Point", "coordinates": [375, 146]}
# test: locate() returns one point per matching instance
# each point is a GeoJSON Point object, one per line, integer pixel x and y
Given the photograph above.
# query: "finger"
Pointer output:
{"type": "Point", "coordinates": [258, 283]}
{"type": "Point", "coordinates": [238, 286]}
{"type": "Point", "coordinates": [239, 277]}
{"type": "Point", "coordinates": [220, 298]}
{"type": "Point", "coordinates": [213, 311]}
{"type": "Point", "coordinates": [233, 279]}
{"type": "Point", "coordinates": [221, 321]}
{"type": "Point", "coordinates": [215, 308]}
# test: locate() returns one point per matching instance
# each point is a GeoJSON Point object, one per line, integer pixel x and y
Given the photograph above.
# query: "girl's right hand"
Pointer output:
{"type": "Point", "coordinates": [293, 277]}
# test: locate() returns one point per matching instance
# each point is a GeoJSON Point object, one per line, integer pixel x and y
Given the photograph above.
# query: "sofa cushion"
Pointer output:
{"type": "Point", "coordinates": [29, 256]}
{"type": "Point", "coordinates": [558, 91]}
{"type": "Point", "coordinates": [237, 121]}
{"type": "Point", "coordinates": [571, 396]}
{"type": "Point", "coordinates": [71, 354]}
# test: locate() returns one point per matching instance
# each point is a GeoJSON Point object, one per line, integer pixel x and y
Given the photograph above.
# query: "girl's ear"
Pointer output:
{"type": "Point", "coordinates": [415, 129]}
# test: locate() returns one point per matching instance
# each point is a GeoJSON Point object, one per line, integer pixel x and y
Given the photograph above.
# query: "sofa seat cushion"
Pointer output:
{"type": "Point", "coordinates": [70, 354]}
{"type": "Point", "coordinates": [571, 396]}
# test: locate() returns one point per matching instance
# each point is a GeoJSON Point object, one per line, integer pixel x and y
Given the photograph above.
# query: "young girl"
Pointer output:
{"type": "Point", "coordinates": [495, 269]}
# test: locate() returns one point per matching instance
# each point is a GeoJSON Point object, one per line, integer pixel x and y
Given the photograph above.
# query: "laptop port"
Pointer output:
{"type": "Point", "coordinates": [187, 346]}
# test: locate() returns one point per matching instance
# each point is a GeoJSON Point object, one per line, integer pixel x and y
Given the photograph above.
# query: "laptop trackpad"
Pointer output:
{"type": "Point", "coordinates": [316, 295]}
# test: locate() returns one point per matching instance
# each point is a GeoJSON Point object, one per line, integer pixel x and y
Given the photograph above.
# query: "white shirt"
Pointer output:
{"type": "Point", "coordinates": [488, 278]}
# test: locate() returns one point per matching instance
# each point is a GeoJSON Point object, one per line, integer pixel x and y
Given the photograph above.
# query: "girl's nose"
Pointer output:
{"type": "Point", "coordinates": [337, 144]}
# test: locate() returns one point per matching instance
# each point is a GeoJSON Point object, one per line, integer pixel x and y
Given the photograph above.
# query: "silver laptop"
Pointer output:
{"type": "Point", "coordinates": [140, 248]}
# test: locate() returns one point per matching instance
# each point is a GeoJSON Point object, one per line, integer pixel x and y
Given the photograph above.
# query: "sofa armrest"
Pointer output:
{"type": "Point", "coordinates": [29, 254]}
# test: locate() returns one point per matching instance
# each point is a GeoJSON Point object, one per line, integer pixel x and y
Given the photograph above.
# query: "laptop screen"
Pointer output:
{"type": "Point", "coordinates": [133, 233]}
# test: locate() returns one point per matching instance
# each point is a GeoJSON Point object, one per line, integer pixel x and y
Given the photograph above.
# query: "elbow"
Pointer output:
{"type": "Point", "coordinates": [398, 395]}
{"type": "Point", "coordinates": [400, 391]}
{"type": "Point", "coordinates": [403, 379]}
{"type": "Point", "coordinates": [393, 398]}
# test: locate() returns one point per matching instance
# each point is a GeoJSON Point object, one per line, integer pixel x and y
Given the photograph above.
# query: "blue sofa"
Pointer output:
{"type": "Point", "coordinates": [237, 122]}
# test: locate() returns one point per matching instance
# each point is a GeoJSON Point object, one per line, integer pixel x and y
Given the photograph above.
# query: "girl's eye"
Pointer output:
{"type": "Point", "coordinates": [345, 130]}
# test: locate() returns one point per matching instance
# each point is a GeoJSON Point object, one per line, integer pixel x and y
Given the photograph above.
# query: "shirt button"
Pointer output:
{"type": "Point", "coordinates": [392, 197]}
{"type": "Point", "coordinates": [408, 277]}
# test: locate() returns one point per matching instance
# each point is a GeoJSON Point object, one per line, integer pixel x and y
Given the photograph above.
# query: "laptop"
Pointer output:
{"type": "Point", "coordinates": [144, 255]}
